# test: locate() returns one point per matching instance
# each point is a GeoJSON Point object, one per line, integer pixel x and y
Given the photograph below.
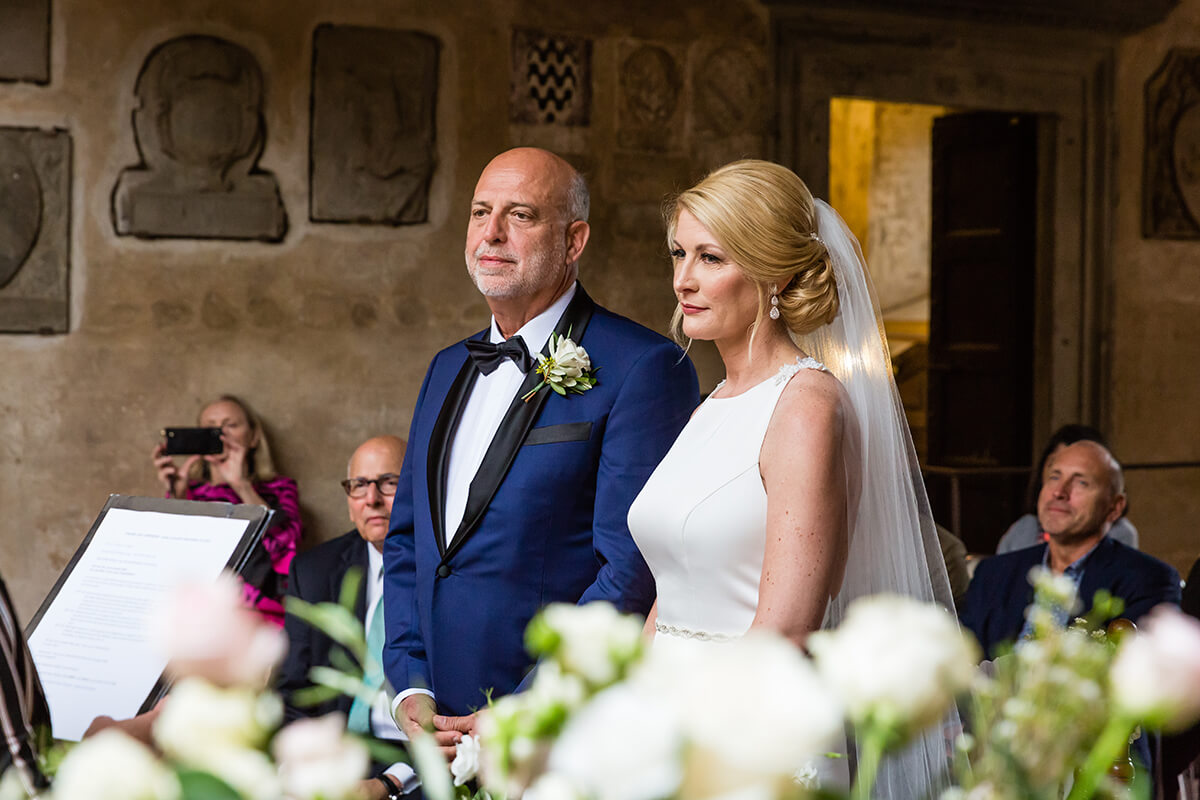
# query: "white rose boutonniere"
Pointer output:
{"type": "Point", "coordinates": [567, 370]}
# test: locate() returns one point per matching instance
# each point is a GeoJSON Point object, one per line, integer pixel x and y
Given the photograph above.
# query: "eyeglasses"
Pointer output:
{"type": "Point", "coordinates": [385, 483]}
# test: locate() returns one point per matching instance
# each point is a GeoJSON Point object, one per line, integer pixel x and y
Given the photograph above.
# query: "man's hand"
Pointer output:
{"type": "Point", "coordinates": [449, 731]}
{"type": "Point", "coordinates": [415, 714]}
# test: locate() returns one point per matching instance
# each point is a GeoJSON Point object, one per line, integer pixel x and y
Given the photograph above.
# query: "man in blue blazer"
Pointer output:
{"type": "Point", "coordinates": [1082, 494]}
{"type": "Point", "coordinates": [514, 496]}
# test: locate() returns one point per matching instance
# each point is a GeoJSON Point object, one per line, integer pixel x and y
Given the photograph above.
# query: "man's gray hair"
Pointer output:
{"type": "Point", "coordinates": [578, 200]}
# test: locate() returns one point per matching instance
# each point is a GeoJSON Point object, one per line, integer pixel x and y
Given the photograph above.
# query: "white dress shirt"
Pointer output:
{"type": "Point", "coordinates": [382, 724]}
{"type": "Point", "coordinates": [490, 398]}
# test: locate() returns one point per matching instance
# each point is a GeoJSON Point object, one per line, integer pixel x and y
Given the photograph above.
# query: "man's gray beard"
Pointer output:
{"type": "Point", "coordinates": [526, 284]}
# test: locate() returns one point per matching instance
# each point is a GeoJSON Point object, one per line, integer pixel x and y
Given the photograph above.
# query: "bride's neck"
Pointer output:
{"type": "Point", "coordinates": [748, 363]}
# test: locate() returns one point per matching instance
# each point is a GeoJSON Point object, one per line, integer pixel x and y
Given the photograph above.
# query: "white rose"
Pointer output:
{"type": "Point", "coordinates": [250, 772]}
{"type": "Point", "coordinates": [1156, 674]}
{"type": "Point", "coordinates": [623, 745]}
{"type": "Point", "coordinates": [795, 717]}
{"type": "Point", "coordinates": [317, 759]}
{"type": "Point", "coordinates": [465, 765]}
{"type": "Point", "coordinates": [112, 766]}
{"type": "Point", "coordinates": [596, 640]}
{"type": "Point", "coordinates": [551, 786]}
{"type": "Point", "coordinates": [199, 719]}
{"type": "Point", "coordinates": [204, 630]}
{"type": "Point", "coordinates": [571, 357]}
{"type": "Point", "coordinates": [896, 661]}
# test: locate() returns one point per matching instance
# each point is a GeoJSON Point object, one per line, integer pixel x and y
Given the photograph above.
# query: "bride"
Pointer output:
{"type": "Point", "coordinates": [794, 488]}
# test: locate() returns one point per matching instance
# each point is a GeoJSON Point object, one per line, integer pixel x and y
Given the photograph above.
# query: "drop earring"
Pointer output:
{"type": "Point", "coordinates": [774, 312]}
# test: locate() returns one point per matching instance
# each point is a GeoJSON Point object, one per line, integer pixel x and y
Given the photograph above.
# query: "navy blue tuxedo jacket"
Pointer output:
{"type": "Point", "coordinates": [316, 577]}
{"type": "Point", "coordinates": [546, 512]}
{"type": "Point", "coordinates": [1000, 591]}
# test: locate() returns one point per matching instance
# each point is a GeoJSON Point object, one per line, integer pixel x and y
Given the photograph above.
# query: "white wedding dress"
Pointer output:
{"type": "Point", "coordinates": [701, 519]}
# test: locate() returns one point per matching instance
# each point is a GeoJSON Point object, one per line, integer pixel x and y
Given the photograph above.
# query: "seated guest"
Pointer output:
{"type": "Point", "coordinates": [243, 473]}
{"type": "Point", "coordinates": [316, 577]}
{"type": "Point", "coordinates": [1082, 495]}
{"type": "Point", "coordinates": [1026, 532]}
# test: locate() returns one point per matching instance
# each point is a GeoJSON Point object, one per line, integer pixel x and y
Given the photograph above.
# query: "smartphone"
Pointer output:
{"type": "Point", "coordinates": [192, 441]}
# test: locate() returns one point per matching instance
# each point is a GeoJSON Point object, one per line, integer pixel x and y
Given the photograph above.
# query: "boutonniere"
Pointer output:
{"type": "Point", "coordinates": [567, 370]}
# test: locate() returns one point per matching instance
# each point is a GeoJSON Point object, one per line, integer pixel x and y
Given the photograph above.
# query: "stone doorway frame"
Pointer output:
{"type": "Point", "coordinates": [1065, 77]}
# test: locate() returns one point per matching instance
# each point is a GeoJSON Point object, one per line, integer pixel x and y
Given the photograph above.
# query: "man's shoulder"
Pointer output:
{"type": "Point", "coordinates": [1129, 559]}
{"type": "Point", "coordinates": [1004, 564]}
{"type": "Point", "coordinates": [325, 556]}
{"type": "Point", "coordinates": [614, 325]}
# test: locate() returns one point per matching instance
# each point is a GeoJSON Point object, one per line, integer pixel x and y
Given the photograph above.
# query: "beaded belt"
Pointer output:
{"type": "Point", "coordinates": [688, 633]}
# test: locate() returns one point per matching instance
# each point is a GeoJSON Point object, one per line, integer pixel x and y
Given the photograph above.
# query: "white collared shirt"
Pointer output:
{"type": "Point", "coordinates": [383, 726]}
{"type": "Point", "coordinates": [489, 401]}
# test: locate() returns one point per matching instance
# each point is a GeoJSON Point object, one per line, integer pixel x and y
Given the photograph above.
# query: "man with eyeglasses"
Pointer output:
{"type": "Point", "coordinates": [316, 576]}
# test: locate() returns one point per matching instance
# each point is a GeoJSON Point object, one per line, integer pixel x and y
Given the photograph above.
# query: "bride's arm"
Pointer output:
{"type": "Point", "coordinates": [804, 476]}
{"type": "Point", "coordinates": [648, 629]}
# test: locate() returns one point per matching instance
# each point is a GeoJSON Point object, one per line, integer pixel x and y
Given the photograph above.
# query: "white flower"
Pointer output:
{"type": "Point", "coordinates": [896, 661]}
{"type": "Point", "coordinates": [551, 786]}
{"type": "Point", "coordinates": [795, 717]}
{"type": "Point", "coordinates": [623, 745]}
{"type": "Point", "coordinates": [317, 759]}
{"type": "Point", "coordinates": [199, 719]}
{"type": "Point", "coordinates": [1156, 675]}
{"type": "Point", "coordinates": [465, 765]}
{"type": "Point", "coordinates": [1059, 590]}
{"type": "Point", "coordinates": [112, 766]}
{"type": "Point", "coordinates": [250, 772]}
{"type": "Point", "coordinates": [205, 631]}
{"type": "Point", "coordinates": [597, 641]}
{"type": "Point", "coordinates": [571, 357]}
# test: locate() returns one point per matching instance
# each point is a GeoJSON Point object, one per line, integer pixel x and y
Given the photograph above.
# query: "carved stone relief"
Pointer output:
{"type": "Point", "coordinates": [35, 193]}
{"type": "Point", "coordinates": [200, 131]}
{"type": "Point", "coordinates": [25, 40]}
{"type": "Point", "coordinates": [729, 80]}
{"type": "Point", "coordinates": [1171, 191]}
{"type": "Point", "coordinates": [649, 111]}
{"type": "Point", "coordinates": [372, 149]}
{"type": "Point", "coordinates": [551, 79]}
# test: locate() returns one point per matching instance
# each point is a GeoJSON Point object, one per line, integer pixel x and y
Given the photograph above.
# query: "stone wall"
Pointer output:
{"type": "Point", "coordinates": [1153, 342]}
{"type": "Point", "coordinates": [328, 332]}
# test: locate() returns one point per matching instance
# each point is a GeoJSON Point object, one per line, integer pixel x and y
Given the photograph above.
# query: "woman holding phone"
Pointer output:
{"type": "Point", "coordinates": [242, 473]}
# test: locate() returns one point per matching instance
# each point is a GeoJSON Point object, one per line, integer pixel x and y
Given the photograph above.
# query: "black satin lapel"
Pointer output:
{"type": "Point", "coordinates": [439, 447]}
{"type": "Point", "coordinates": [517, 421]}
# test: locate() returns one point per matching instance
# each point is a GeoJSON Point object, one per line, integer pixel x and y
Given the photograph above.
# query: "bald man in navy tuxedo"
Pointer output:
{"type": "Point", "coordinates": [508, 500]}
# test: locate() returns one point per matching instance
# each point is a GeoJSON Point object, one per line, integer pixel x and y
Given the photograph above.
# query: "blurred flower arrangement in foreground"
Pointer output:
{"type": "Point", "coordinates": [607, 719]}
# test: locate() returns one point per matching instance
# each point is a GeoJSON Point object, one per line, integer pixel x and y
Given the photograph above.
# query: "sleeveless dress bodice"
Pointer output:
{"type": "Point", "coordinates": [700, 521]}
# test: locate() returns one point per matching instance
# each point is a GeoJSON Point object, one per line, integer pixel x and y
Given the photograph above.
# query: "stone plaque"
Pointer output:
{"type": "Point", "coordinates": [25, 40]}
{"type": "Point", "coordinates": [372, 145]}
{"type": "Point", "coordinates": [1171, 190]}
{"type": "Point", "coordinates": [729, 83]}
{"type": "Point", "coordinates": [35, 193]}
{"type": "Point", "coordinates": [200, 131]}
{"type": "Point", "coordinates": [649, 111]}
{"type": "Point", "coordinates": [551, 78]}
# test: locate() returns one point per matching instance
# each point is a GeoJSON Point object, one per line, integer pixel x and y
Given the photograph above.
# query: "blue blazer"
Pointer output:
{"type": "Point", "coordinates": [545, 519]}
{"type": "Point", "coordinates": [1000, 591]}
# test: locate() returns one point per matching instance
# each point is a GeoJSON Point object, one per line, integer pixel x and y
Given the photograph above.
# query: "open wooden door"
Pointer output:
{"type": "Point", "coordinates": [981, 319]}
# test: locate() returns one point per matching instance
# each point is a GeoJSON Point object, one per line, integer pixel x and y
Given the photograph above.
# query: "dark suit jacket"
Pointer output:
{"type": "Point", "coordinates": [1000, 591]}
{"type": "Point", "coordinates": [546, 512]}
{"type": "Point", "coordinates": [316, 577]}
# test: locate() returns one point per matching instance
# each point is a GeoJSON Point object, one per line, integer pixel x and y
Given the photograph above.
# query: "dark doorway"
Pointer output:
{"type": "Point", "coordinates": [981, 326]}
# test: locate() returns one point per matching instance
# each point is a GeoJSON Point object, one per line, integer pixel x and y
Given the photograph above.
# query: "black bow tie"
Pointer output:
{"type": "Point", "coordinates": [488, 356]}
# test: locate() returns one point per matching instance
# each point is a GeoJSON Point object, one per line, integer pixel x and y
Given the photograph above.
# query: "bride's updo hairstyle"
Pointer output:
{"type": "Point", "coordinates": [762, 215]}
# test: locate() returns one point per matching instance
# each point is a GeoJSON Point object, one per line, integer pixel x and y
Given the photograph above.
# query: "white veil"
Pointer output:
{"type": "Point", "coordinates": [893, 544]}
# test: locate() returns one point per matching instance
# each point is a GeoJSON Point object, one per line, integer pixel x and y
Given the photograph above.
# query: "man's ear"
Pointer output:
{"type": "Point", "coordinates": [1118, 508]}
{"type": "Point", "coordinates": [577, 238]}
